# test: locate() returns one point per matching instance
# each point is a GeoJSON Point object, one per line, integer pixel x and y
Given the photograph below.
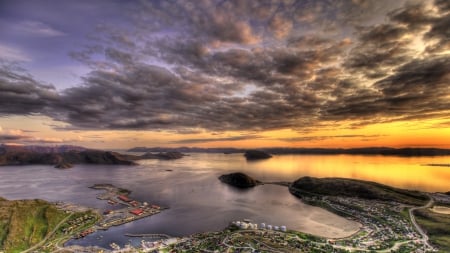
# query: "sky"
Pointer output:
{"type": "Point", "coordinates": [206, 73]}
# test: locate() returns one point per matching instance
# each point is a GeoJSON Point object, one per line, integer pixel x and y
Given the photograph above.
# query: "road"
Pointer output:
{"type": "Point", "coordinates": [413, 220]}
{"type": "Point", "coordinates": [48, 235]}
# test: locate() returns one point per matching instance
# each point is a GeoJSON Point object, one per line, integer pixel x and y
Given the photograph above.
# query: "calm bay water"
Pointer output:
{"type": "Point", "coordinates": [199, 202]}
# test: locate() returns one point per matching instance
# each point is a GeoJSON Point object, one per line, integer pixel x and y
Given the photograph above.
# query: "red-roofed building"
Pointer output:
{"type": "Point", "coordinates": [124, 198]}
{"type": "Point", "coordinates": [156, 207]}
{"type": "Point", "coordinates": [137, 211]}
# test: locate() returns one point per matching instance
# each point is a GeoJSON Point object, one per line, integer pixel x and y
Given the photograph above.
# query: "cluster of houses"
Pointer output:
{"type": "Point", "coordinates": [246, 224]}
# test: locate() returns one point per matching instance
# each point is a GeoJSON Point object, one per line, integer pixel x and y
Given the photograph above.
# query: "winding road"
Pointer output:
{"type": "Point", "coordinates": [413, 220]}
{"type": "Point", "coordinates": [48, 235]}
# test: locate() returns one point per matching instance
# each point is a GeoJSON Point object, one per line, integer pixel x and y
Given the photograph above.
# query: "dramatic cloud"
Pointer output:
{"type": "Point", "coordinates": [21, 94]}
{"type": "Point", "coordinates": [250, 65]}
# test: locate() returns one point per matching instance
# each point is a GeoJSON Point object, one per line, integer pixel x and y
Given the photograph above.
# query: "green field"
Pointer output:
{"type": "Point", "coordinates": [437, 226]}
{"type": "Point", "coordinates": [24, 223]}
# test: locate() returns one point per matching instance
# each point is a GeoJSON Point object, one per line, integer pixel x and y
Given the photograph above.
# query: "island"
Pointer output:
{"type": "Point", "coordinates": [162, 155]}
{"type": "Point", "coordinates": [256, 155]}
{"type": "Point", "coordinates": [239, 180]}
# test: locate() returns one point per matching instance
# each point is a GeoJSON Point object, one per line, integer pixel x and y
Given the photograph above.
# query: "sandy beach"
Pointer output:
{"type": "Point", "coordinates": [440, 209]}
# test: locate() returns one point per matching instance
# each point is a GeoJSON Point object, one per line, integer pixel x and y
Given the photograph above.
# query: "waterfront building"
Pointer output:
{"type": "Point", "coordinates": [137, 211]}
{"type": "Point", "coordinates": [124, 198]}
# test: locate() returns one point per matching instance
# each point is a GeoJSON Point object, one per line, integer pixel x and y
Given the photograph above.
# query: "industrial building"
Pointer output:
{"type": "Point", "coordinates": [137, 211]}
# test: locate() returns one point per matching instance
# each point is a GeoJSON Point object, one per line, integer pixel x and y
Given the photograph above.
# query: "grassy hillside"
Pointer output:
{"type": "Point", "coordinates": [437, 226]}
{"type": "Point", "coordinates": [24, 223]}
{"type": "Point", "coordinates": [355, 188]}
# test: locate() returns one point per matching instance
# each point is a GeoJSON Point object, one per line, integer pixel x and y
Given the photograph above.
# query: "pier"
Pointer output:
{"type": "Point", "coordinates": [155, 236]}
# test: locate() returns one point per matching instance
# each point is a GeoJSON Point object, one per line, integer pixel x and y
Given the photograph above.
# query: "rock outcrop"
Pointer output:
{"type": "Point", "coordinates": [256, 155]}
{"type": "Point", "coordinates": [239, 180]}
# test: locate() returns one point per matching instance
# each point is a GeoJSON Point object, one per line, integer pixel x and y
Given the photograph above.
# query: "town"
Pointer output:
{"type": "Point", "coordinates": [386, 226]}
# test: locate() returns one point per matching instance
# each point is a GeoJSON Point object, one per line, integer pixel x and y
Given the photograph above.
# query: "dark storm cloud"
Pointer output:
{"type": "Point", "coordinates": [11, 137]}
{"type": "Point", "coordinates": [251, 65]}
{"type": "Point", "coordinates": [415, 90]}
{"type": "Point", "coordinates": [21, 94]}
{"type": "Point", "coordinates": [379, 48]}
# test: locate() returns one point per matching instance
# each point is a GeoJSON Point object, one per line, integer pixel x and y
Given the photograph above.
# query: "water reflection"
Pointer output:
{"type": "Point", "coordinates": [199, 202]}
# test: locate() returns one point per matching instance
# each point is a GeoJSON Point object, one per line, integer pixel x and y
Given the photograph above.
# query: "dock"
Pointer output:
{"type": "Point", "coordinates": [155, 236]}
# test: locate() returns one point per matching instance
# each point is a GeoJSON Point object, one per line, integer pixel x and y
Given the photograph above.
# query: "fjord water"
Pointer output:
{"type": "Point", "coordinates": [199, 202]}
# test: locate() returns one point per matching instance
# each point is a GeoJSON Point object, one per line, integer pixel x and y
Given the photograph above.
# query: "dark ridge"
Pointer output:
{"type": "Point", "coordinates": [163, 155]}
{"type": "Point", "coordinates": [309, 151]}
{"type": "Point", "coordinates": [187, 150]}
{"type": "Point", "coordinates": [60, 156]}
{"type": "Point", "coordinates": [308, 186]}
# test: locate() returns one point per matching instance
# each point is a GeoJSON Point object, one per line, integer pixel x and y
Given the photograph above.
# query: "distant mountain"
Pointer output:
{"type": "Point", "coordinates": [363, 151]}
{"type": "Point", "coordinates": [66, 158]}
{"type": "Point", "coordinates": [63, 157]}
{"type": "Point", "coordinates": [40, 149]}
{"type": "Point", "coordinates": [309, 151]}
{"type": "Point", "coordinates": [187, 150]}
{"type": "Point", "coordinates": [162, 155]}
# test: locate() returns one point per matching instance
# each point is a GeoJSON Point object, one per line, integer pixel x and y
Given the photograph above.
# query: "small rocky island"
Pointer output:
{"type": "Point", "coordinates": [239, 180]}
{"type": "Point", "coordinates": [256, 155]}
{"type": "Point", "coordinates": [63, 165]}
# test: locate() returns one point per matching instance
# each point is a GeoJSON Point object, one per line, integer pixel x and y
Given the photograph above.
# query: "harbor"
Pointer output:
{"type": "Point", "coordinates": [132, 209]}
